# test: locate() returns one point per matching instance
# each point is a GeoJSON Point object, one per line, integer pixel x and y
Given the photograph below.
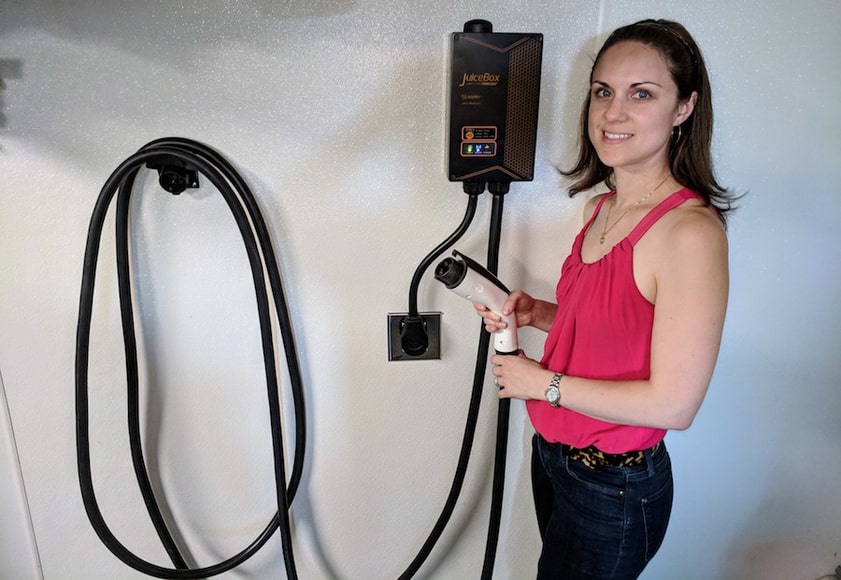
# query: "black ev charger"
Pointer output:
{"type": "Point", "coordinates": [178, 162]}
{"type": "Point", "coordinates": [494, 95]}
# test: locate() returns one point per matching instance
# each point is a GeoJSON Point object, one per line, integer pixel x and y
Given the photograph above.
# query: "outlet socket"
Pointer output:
{"type": "Point", "coordinates": [432, 322]}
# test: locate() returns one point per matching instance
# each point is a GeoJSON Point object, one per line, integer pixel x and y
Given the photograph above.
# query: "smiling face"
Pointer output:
{"type": "Point", "coordinates": [633, 107]}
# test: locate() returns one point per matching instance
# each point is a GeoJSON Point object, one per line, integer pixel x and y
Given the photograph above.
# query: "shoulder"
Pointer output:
{"type": "Point", "coordinates": [686, 241]}
{"type": "Point", "coordinates": [691, 244]}
{"type": "Point", "coordinates": [693, 226]}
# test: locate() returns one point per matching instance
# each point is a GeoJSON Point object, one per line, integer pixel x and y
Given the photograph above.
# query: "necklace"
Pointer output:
{"type": "Point", "coordinates": [606, 229]}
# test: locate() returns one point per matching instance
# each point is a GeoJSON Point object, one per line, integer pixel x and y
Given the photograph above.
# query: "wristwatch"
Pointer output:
{"type": "Point", "coordinates": [553, 394]}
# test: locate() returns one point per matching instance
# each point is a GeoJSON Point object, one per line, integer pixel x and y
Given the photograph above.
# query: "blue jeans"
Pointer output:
{"type": "Point", "coordinates": [599, 523]}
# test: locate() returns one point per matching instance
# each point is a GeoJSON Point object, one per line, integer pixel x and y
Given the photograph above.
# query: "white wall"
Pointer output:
{"type": "Point", "coordinates": [335, 113]}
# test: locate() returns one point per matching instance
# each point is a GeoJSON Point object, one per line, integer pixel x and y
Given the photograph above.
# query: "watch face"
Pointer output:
{"type": "Point", "coordinates": [552, 394]}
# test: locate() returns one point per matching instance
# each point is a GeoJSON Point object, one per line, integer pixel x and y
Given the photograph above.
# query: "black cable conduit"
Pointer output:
{"type": "Point", "coordinates": [472, 420]}
{"type": "Point", "coordinates": [503, 412]}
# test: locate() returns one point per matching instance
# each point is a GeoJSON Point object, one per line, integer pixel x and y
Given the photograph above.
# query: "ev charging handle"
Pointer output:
{"type": "Point", "coordinates": [472, 281]}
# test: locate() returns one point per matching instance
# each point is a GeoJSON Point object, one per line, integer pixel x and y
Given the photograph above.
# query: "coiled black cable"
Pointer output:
{"type": "Point", "coordinates": [132, 385]}
{"type": "Point", "coordinates": [255, 236]}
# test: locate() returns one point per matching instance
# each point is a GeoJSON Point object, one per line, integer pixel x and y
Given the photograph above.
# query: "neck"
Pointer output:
{"type": "Point", "coordinates": [631, 188]}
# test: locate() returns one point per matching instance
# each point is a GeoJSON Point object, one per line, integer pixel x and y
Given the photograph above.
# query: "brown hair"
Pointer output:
{"type": "Point", "coordinates": [690, 160]}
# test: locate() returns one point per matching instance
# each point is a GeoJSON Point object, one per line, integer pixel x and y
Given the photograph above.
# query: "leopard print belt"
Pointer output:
{"type": "Point", "coordinates": [595, 458]}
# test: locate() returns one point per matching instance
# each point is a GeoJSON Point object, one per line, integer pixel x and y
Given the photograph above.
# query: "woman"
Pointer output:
{"type": "Point", "coordinates": [635, 330]}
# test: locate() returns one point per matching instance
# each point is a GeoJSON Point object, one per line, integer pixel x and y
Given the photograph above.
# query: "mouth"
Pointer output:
{"type": "Point", "coordinates": [616, 136]}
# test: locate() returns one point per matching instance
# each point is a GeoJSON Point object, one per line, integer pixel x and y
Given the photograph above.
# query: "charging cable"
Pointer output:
{"type": "Point", "coordinates": [414, 340]}
{"type": "Point", "coordinates": [498, 191]}
{"type": "Point", "coordinates": [179, 161]}
{"type": "Point", "coordinates": [503, 411]}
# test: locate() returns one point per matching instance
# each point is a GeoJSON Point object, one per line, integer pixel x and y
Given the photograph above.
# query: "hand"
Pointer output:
{"type": "Point", "coordinates": [519, 377]}
{"type": "Point", "coordinates": [518, 302]}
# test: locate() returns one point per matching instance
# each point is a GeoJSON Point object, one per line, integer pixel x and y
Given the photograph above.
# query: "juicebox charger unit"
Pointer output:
{"type": "Point", "coordinates": [494, 94]}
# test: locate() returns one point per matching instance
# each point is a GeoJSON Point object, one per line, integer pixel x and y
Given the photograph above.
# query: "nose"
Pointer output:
{"type": "Point", "coordinates": [615, 110]}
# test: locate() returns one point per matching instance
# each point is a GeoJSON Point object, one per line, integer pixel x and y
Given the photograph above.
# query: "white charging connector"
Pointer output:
{"type": "Point", "coordinates": [472, 281]}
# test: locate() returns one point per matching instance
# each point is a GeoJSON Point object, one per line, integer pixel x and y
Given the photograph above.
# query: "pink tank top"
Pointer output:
{"type": "Point", "coordinates": [602, 330]}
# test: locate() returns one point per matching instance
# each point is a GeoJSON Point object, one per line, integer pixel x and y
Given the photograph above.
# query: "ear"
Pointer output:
{"type": "Point", "coordinates": [685, 108]}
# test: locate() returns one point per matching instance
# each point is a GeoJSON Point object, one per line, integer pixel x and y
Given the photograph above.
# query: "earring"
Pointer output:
{"type": "Point", "coordinates": [675, 139]}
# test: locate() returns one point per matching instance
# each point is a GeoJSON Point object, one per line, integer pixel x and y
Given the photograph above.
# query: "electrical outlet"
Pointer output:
{"type": "Point", "coordinates": [432, 325]}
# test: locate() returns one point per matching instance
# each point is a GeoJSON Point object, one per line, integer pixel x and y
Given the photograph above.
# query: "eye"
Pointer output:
{"type": "Point", "coordinates": [601, 92]}
{"type": "Point", "coordinates": [642, 95]}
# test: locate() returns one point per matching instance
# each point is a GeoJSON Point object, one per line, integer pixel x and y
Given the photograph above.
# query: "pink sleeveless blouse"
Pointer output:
{"type": "Point", "coordinates": [602, 330]}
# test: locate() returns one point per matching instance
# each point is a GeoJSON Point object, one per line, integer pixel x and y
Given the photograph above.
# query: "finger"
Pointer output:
{"type": "Point", "coordinates": [492, 319]}
{"type": "Point", "coordinates": [510, 304]}
{"type": "Point", "coordinates": [494, 327]}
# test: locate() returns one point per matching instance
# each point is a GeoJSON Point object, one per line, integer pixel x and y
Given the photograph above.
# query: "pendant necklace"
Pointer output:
{"type": "Point", "coordinates": [606, 229]}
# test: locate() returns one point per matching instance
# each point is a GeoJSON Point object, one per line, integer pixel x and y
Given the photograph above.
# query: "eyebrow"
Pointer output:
{"type": "Point", "coordinates": [633, 85]}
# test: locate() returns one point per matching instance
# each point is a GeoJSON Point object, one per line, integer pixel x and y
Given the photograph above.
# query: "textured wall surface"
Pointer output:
{"type": "Point", "coordinates": [335, 112]}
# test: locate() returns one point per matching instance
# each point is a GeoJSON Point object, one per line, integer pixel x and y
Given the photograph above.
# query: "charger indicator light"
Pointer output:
{"type": "Point", "coordinates": [478, 149]}
{"type": "Point", "coordinates": [478, 141]}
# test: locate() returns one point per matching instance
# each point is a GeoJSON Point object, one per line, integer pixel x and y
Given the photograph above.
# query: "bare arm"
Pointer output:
{"type": "Point", "coordinates": [691, 276]}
